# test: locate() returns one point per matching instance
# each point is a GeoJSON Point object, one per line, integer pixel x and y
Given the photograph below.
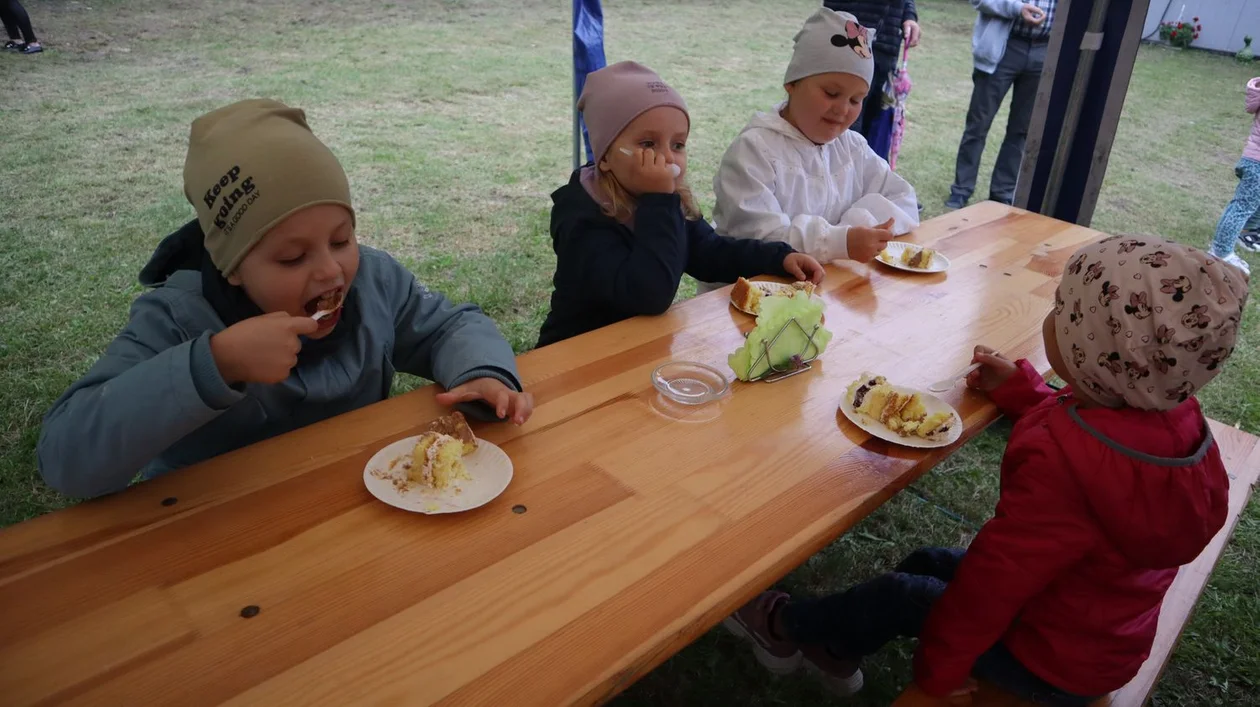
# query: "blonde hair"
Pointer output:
{"type": "Point", "coordinates": [622, 202]}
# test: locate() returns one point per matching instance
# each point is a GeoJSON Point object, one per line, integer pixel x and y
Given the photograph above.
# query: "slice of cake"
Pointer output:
{"type": "Point", "coordinates": [935, 425]}
{"type": "Point", "coordinates": [903, 413]}
{"type": "Point", "coordinates": [874, 401]}
{"type": "Point", "coordinates": [437, 461]}
{"type": "Point", "coordinates": [798, 286]}
{"type": "Point", "coordinates": [746, 296]}
{"type": "Point", "coordinates": [862, 386]}
{"type": "Point", "coordinates": [914, 409]}
{"type": "Point", "coordinates": [455, 425]}
{"type": "Point", "coordinates": [917, 258]}
{"type": "Point", "coordinates": [897, 402]}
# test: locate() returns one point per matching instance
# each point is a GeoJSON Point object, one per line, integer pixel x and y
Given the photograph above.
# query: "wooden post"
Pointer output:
{"type": "Point", "coordinates": [1078, 106]}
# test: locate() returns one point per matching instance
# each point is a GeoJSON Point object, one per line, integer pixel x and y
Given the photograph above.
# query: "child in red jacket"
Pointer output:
{"type": "Point", "coordinates": [1107, 487]}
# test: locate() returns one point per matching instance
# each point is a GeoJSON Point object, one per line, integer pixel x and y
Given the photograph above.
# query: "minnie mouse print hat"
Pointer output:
{"type": "Point", "coordinates": [1146, 322]}
{"type": "Point", "coordinates": [832, 42]}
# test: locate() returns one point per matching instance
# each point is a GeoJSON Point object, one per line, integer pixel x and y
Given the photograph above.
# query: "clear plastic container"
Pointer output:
{"type": "Point", "coordinates": [690, 383]}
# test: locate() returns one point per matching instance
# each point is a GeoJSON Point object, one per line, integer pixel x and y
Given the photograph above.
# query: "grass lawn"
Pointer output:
{"type": "Point", "coordinates": [452, 119]}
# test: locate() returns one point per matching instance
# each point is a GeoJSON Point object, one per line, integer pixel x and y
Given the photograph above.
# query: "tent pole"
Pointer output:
{"type": "Point", "coordinates": [1084, 67]}
{"type": "Point", "coordinates": [577, 125]}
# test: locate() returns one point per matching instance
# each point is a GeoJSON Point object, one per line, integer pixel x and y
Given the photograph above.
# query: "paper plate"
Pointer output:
{"type": "Point", "coordinates": [489, 467]}
{"type": "Point", "coordinates": [891, 256]}
{"type": "Point", "coordinates": [876, 428]}
{"type": "Point", "coordinates": [767, 289]}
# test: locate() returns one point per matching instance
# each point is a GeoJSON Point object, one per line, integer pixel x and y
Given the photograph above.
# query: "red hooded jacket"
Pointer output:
{"type": "Point", "coordinates": [1098, 509]}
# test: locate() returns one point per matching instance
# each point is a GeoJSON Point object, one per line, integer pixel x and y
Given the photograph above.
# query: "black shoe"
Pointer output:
{"type": "Point", "coordinates": [12, 46]}
{"type": "Point", "coordinates": [1249, 240]}
{"type": "Point", "coordinates": [920, 207]}
{"type": "Point", "coordinates": [32, 48]}
{"type": "Point", "coordinates": [955, 202]}
{"type": "Point", "coordinates": [1008, 200]}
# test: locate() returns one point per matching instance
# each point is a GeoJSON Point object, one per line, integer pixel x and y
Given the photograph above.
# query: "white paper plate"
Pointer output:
{"type": "Point", "coordinates": [931, 402]}
{"type": "Point", "coordinates": [891, 256]}
{"type": "Point", "coordinates": [767, 289]}
{"type": "Point", "coordinates": [489, 467]}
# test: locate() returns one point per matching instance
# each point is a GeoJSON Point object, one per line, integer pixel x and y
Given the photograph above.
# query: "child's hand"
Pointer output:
{"type": "Point", "coordinates": [1032, 14]}
{"type": "Point", "coordinates": [865, 243]}
{"type": "Point", "coordinates": [650, 173]}
{"type": "Point", "coordinates": [803, 267]}
{"type": "Point", "coordinates": [994, 370]}
{"type": "Point", "coordinates": [505, 401]}
{"type": "Point", "coordinates": [260, 349]}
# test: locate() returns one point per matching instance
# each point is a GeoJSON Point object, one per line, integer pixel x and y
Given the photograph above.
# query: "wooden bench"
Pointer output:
{"type": "Point", "coordinates": [1241, 454]}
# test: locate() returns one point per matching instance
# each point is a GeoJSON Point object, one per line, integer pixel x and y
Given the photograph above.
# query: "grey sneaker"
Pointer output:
{"type": "Point", "coordinates": [752, 623]}
{"type": "Point", "coordinates": [841, 676]}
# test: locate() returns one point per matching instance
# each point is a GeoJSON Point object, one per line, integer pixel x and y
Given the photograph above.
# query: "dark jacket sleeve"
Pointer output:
{"type": "Point", "coordinates": [631, 277]}
{"type": "Point", "coordinates": [714, 258]}
{"type": "Point", "coordinates": [910, 12]}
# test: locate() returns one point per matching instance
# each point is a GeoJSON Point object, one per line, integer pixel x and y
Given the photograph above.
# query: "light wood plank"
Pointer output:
{"type": "Point", "coordinates": [1241, 455]}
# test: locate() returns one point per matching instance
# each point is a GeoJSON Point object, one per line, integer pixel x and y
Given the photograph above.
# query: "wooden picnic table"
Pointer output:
{"type": "Point", "coordinates": [270, 576]}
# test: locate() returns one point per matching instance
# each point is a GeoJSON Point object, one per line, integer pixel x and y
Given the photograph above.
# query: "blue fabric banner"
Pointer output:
{"type": "Point", "coordinates": [588, 56]}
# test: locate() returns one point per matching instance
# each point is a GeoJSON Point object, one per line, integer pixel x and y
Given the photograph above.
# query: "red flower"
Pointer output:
{"type": "Point", "coordinates": [1180, 25]}
{"type": "Point", "coordinates": [1195, 19]}
{"type": "Point", "coordinates": [1198, 28]}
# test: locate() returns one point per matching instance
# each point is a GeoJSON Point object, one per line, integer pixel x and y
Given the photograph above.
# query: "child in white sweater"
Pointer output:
{"type": "Point", "coordinates": [798, 175]}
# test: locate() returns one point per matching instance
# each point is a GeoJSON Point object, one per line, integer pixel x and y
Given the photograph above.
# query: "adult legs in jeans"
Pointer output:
{"type": "Point", "coordinates": [1023, 98]}
{"type": "Point", "coordinates": [987, 94]}
{"type": "Point", "coordinates": [860, 620]}
{"type": "Point", "coordinates": [1240, 209]}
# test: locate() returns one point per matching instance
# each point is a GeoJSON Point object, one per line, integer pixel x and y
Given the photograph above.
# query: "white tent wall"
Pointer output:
{"type": "Point", "coordinates": [1225, 22]}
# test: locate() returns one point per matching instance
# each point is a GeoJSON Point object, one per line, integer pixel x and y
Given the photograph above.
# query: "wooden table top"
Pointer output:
{"type": "Point", "coordinates": [641, 529]}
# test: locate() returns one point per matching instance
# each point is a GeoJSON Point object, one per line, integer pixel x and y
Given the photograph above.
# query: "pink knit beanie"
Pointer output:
{"type": "Point", "coordinates": [615, 95]}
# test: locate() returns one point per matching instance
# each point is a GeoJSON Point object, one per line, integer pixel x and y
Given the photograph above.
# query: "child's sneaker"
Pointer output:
{"type": "Point", "coordinates": [752, 623]}
{"type": "Point", "coordinates": [1250, 240]}
{"type": "Point", "coordinates": [1239, 263]}
{"type": "Point", "coordinates": [843, 677]}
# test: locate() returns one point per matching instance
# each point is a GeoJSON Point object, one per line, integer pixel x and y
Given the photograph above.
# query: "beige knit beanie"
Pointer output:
{"type": "Point", "coordinates": [250, 165]}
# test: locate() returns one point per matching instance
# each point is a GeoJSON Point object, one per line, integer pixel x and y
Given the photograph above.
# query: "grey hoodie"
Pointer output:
{"type": "Point", "coordinates": [155, 401]}
{"type": "Point", "coordinates": [994, 20]}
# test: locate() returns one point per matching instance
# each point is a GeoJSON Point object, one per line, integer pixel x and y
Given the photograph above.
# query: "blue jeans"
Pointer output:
{"type": "Point", "coordinates": [1242, 210]}
{"type": "Point", "coordinates": [860, 620]}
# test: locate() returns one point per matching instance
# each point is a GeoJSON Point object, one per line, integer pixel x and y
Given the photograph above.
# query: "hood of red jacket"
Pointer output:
{"type": "Point", "coordinates": [1153, 480]}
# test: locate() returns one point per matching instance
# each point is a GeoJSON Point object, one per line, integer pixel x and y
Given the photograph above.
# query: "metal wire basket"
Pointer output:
{"type": "Point", "coordinates": [798, 363]}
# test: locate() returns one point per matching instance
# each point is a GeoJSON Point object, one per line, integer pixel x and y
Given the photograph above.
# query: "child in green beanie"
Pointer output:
{"type": "Point", "coordinates": [265, 316]}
